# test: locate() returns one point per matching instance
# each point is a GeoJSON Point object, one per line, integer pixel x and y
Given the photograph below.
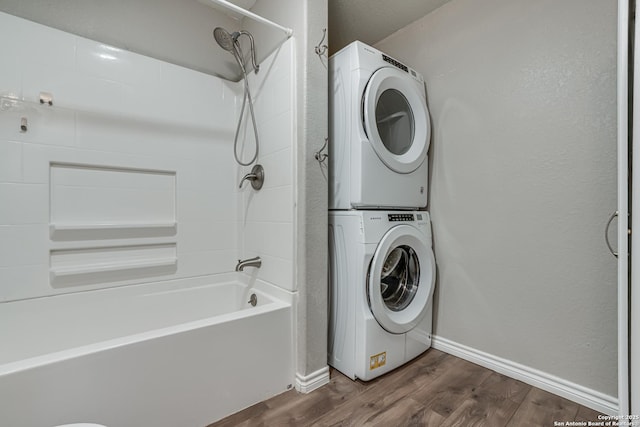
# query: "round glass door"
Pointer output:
{"type": "Point", "coordinates": [400, 279]}
{"type": "Point", "coordinates": [396, 120]}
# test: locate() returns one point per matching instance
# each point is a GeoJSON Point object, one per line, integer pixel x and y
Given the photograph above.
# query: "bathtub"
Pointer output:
{"type": "Point", "coordinates": [179, 353]}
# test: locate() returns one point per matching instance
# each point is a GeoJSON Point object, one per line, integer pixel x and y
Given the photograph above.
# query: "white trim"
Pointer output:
{"type": "Point", "coordinates": [308, 383]}
{"type": "Point", "coordinates": [623, 208]}
{"type": "Point", "coordinates": [574, 392]}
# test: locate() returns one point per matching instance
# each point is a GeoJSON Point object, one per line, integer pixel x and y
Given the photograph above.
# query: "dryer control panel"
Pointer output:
{"type": "Point", "coordinates": [398, 64]}
{"type": "Point", "coordinates": [395, 217]}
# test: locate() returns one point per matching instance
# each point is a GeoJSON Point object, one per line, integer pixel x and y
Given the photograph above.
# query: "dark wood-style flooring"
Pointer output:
{"type": "Point", "coordinates": [436, 389]}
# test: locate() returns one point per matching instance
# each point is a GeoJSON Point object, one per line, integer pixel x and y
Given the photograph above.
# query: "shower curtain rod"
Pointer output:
{"type": "Point", "coordinates": [249, 14]}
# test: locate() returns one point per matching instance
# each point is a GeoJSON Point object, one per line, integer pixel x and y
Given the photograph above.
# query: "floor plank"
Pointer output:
{"type": "Point", "coordinates": [447, 391]}
{"type": "Point", "coordinates": [541, 408]}
{"type": "Point", "coordinates": [587, 414]}
{"type": "Point", "coordinates": [493, 403]}
{"type": "Point", "coordinates": [436, 389]}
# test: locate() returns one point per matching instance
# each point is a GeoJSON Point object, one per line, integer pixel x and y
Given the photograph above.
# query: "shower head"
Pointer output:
{"type": "Point", "coordinates": [224, 39]}
{"type": "Point", "coordinates": [229, 42]}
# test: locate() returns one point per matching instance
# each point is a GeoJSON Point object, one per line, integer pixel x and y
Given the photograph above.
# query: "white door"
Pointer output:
{"type": "Point", "coordinates": [400, 279]}
{"type": "Point", "coordinates": [396, 119]}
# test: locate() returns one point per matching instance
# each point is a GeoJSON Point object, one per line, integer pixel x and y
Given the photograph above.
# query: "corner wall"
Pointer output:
{"type": "Point", "coordinates": [307, 19]}
{"type": "Point", "coordinates": [523, 98]}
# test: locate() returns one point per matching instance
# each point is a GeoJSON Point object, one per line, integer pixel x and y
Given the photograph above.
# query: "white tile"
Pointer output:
{"type": "Point", "coordinates": [270, 205]}
{"type": "Point", "coordinates": [44, 126]}
{"type": "Point", "coordinates": [277, 133]}
{"type": "Point", "coordinates": [207, 236]}
{"type": "Point", "coordinates": [24, 245]}
{"type": "Point", "coordinates": [194, 98]}
{"type": "Point", "coordinates": [280, 92]}
{"type": "Point", "coordinates": [269, 238]}
{"type": "Point", "coordinates": [93, 94]}
{"type": "Point", "coordinates": [200, 205]}
{"type": "Point", "coordinates": [24, 204]}
{"type": "Point", "coordinates": [206, 262]}
{"type": "Point", "coordinates": [277, 271]}
{"type": "Point", "coordinates": [58, 80]}
{"type": "Point", "coordinates": [278, 168]}
{"type": "Point", "coordinates": [13, 30]}
{"type": "Point", "coordinates": [10, 76]}
{"type": "Point", "coordinates": [10, 161]}
{"type": "Point", "coordinates": [10, 122]}
{"type": "Point", "coordinates": [137, 112]}
{"type": "Point", "coordinates": [24, 282]}
{"type": "Point", "coordinates": [107, 62]}
{"type": "Point", "coordinates": [44, 47]}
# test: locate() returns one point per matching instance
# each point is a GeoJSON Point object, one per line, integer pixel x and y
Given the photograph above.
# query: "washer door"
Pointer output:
{"type": "Point", "coordinates": [396, 120]}
{"type": "Point", "coordinates": [400, 279]}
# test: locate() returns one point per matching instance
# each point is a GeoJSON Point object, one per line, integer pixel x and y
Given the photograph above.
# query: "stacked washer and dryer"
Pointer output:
{"type": "Point", "coordinates": [382, 268]}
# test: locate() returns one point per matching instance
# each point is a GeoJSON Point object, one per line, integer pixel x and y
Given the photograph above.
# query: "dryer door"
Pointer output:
{"type": "Point", "coordinates": [401, 278]}
{"type": "Point", "coordinates": [396, 119]}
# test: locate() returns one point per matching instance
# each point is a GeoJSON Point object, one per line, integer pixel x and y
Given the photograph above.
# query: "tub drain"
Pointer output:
{"type": "Point", "coordinates": [253, 300]}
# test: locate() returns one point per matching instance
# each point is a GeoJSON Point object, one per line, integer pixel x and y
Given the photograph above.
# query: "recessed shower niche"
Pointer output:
{"type": "Point", "coordinates": [110, 224]}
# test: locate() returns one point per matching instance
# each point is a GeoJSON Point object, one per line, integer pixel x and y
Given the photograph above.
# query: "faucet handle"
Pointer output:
{"type": "Point", "coordinates": [256, 176]}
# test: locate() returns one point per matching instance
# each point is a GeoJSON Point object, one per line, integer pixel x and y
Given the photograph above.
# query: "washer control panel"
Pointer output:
{"type": "Point", "coordinates": [395, 217]}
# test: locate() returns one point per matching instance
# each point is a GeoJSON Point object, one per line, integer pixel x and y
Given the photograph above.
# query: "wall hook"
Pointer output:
{"type": "Point", "coordinates": [46, 98]}
{"type": "Point", "coordinates": [319, 155]}
{"type": "Point", "coordinates": [321, 49]}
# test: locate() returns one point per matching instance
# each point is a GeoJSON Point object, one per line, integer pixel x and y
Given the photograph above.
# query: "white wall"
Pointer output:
{"type": "Point", "coordinates": [523, 99]}
{"type": "Point", "coordinates": [136, 143]}
{"type": "Point", "coordinates": [266, 216]}
{"type": "Point", "coordinates": [176, 31]}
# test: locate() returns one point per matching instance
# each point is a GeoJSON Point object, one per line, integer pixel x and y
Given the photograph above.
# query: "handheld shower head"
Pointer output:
{"type": "Point", "coordinates": [224, 39]}
{"type": "Point", "coordinates": [229, 42]}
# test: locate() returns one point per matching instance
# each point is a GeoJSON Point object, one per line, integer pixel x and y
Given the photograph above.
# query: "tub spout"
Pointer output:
{"type": "Point", "coordinates": [251, 262]}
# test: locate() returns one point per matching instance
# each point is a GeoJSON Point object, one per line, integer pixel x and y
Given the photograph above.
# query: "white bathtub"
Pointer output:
{"type": "Point", "coordinates": [176, 354]}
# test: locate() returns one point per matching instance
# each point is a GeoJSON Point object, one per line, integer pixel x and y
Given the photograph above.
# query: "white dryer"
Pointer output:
{"type": "Point", "coordinates": [382, 275]}
{"type": "Point", "coordinates": [379, 132]}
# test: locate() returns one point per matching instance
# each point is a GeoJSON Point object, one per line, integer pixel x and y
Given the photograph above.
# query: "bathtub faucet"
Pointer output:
{"type": "Point", "coordinates": [251, 262]}
{"type": "Point", "coordinates": [256, 177]}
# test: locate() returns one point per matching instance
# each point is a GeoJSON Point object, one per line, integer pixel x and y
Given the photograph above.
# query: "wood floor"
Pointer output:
{"type": "Point", "coordinates": [436, 389]}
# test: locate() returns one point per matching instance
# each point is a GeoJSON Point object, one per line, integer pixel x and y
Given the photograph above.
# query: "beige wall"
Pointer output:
{"type": "Point", "coordinates": [523, 99]}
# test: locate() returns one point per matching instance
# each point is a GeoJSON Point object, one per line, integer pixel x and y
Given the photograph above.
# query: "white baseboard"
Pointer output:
{"type": "Point", "coordinates": [587, 397]}
{"type": "Point", "coordinates": [308, 383]}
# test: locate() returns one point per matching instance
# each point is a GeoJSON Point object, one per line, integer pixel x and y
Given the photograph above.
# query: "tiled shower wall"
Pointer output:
{"type": "Point", "coordinates": [266, 216]}
{"type": "Point", "coordinates": [129, 176]}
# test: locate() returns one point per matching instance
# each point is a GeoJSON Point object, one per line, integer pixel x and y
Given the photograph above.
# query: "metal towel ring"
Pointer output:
{"type": "Point", "coordinates": [606, 234]}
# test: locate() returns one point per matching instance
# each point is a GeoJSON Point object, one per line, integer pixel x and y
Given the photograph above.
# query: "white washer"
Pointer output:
{"type": "Point", "coordinates": [382, 275]}
{"type": "Point", "coordinates": [379, 132]}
